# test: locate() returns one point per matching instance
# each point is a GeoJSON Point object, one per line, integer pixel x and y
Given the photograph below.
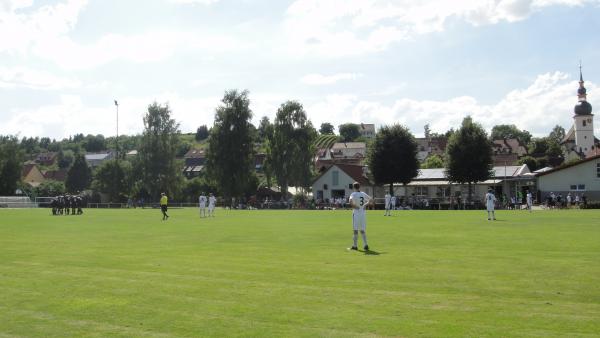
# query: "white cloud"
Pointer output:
{"type": "Point", "coordinates": [319, 79]}
{"type": "Point", "coordinates": [21, 77]}
{"type": "Point", "coordinates": [45, 33]}
{"type": "Point", "coordinates": [194, 2]}
{"type": "Point", "coordinates": [351, 27]}
{"type": "Point", "coordinates": [548, 101]}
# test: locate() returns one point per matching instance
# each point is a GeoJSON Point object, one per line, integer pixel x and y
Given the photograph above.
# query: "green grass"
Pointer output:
{"type": "Point", "coordinates": [126, 273]}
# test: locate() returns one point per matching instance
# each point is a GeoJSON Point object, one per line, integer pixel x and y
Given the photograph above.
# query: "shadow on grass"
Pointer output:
{"type": "Point", "coordinates": [371, 252]}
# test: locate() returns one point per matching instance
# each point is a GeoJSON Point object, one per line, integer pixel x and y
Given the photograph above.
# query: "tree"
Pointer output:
{"type": "Point", "coordinates": [230, 157]}
{"type": "Point", "coordinates": [469, 155]}
{"type": "Point", "coordinates": [265, 128]}
{"type": "Point", "coordinates": [290, 147]}
{"type": "Point", "coordinates": [156, 164]}
{"type": "Point", "coordinates": [392, 157]}
{"type": "Point", "coordinates": [508, 131]}
{"type": "Point", "coordinates": [557, 134]}
{"type": "Point", "coordinates": [349, 132]}
{"type": "Point", "coordinates": [531, 162]}
{"type": "Point", "coordinates": [427, 130]}
{"type": "Point", "coordinates": [49, 188]}
{"type": "Point", "coordinates": [538, 147]}
{"type": "Point", "coordinates": [94, 144]}
{"type": "Point", "coordinates": [111, 178]}
{"type": "Point", "coordinates": [201, 133]}
{"type": "Point", "coordinates": [79, 175]}
{"type": "Point", "coordinates": [11, 158]}
{"type": "Point", "coordinates": [433, 161]}
{"type": "Point", "coordinates": [65, 158]}
{"type": "Point", "coordinates": [326, 129]}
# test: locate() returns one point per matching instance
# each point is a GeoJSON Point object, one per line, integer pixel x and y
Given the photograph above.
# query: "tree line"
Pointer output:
{"type": "Point", "coordinates": [231, 144]}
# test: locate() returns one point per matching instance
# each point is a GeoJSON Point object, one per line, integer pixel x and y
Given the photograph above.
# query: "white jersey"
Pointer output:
{"type": "Point", "coordinates": [202, 201]}
{"type": "Point", "coordinates": [388, 199]}
{"type": "Point", "coordinates": [529, 198]}
{"type": "Point", "coordinates": [490, 201]}
{"type": "Point", "coordinates": [359, 199]}
{"type": "Point", "coordinates": [211, 201]}
{"type": "Point", "coordinates": [393, 201]}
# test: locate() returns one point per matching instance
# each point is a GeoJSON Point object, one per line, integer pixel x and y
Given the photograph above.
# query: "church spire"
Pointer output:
{"type": "Point", "coordinates": [581, 92]}
{"type": "Point", "coordinates": [583, 107]}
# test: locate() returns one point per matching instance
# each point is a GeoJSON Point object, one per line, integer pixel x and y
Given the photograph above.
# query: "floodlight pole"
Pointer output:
{"type": "Point", "coordinates": [117, 138]}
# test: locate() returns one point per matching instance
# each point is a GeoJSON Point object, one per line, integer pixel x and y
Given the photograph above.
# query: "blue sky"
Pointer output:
{"type": "Point", "coordinates": [62, 62]}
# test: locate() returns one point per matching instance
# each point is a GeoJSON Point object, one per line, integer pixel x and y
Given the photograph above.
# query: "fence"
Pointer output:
{"type": "Point", "coordinates": [16, 202]}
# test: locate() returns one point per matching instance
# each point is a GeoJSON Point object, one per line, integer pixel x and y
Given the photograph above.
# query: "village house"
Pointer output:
{"type": "Point", "coordinates": [582, 177]}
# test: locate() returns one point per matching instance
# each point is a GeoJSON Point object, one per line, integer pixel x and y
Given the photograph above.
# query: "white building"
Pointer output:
{"type": "Point", "coordinates": [582, 177]}
{"type": "Point", "coordinates": [579, 141]}
{"type": "Point", "coordinates": [336, 182]}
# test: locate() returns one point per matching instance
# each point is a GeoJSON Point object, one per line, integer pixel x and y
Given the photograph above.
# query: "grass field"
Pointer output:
{"type": "Point", "coordinates": [126, 273]}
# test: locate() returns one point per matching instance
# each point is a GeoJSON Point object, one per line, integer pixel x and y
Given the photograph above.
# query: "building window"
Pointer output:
{"type": "Point", "coordinates": [573, 187]}
{"type": "Point", "coordinates": [443, 192]}
{"type": "Point", "coordinates": [584, 124]}
{"type": "Point", "coordinates": [421, 191]}
{"type": "Point", "coordinates": [581, 187]}
{"type": "Point", "coordinates": [350, 186]}
{"type": "Point", "coordinates": [335, 177]}
{"type": "Point", "coordinates": [598, 169]}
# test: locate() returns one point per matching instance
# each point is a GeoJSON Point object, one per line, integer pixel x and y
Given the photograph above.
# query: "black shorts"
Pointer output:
{"type": "Point", "coordinates": [163, 208]}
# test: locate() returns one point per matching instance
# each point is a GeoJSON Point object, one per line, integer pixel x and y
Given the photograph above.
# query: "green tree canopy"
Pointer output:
{"type": "Point", "coordinates": [156, 164]}
{"type": "Point", "coordinates": [469, 155]}
{"type": "Point", "coordinates": [290, 148]}
{"type": "Point", "coordinates": [508, 131]}
{"type": "Point", "coordinates": [230, 157]}
{"type": "Point", "coordinates": [49, 188]}
{"type": "Point", "coordinates": [349, 132]}
{"type": "Point", "coordinates": [111, 178]}
{"type": "Point", "coordinates": [11, 159]}
{"type": "Point", "coordinates": [79, 175]}
{"type": "Point", "coordinates": [392, 157]}
{"type": "Point", "coordinates": [433, 161]}
{"type": "Point", "coordinates": [201, 133]}
{"type": "Point", "coordinates": [326, 128]}
{"type": "Point", "coordinates": [557, 134]}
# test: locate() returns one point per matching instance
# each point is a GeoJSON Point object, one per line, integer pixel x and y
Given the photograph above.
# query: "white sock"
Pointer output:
{"type": "Point", "coordinates": [355, 240]}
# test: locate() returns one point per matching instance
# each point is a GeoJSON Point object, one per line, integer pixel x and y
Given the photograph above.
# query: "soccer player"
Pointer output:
{"type": "Point", "coordinates": [163, 205]}
{"type": "Point", "coordinates": [359, 201]}
{"type": "Point", "coordinates": [202, 205]}
{"type": "Point", "coordinates": [212, 200]}
{"type": "Point", "coordinates": [529, 200]}
{"type": "Point", "coordinates": [393, 201]}
{"type": "Point", "coordinates": [490, 200]}
{"type": "Point", "coordinates": [388, 202]}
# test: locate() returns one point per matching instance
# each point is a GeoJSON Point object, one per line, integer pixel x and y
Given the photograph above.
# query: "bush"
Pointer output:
{"type": "Point", "coordinates": [590, 205]}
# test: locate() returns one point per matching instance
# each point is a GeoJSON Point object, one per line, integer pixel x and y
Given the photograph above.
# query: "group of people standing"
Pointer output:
{"type": "Point", "coordinates": [554, 201]}
{"type": "Point", "coordinates": [67, 205]}
{"type": "Point", "coordinates": [211, 200]}
{"type": "Point", "coordinates": [390, 204]}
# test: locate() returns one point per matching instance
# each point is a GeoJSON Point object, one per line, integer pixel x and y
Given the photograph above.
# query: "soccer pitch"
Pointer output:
{"type": "Point", "coordinates": [126, 273]}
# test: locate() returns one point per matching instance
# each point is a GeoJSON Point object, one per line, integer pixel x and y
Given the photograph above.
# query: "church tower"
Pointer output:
{"type": "Point", "coordinates": [583, 123]}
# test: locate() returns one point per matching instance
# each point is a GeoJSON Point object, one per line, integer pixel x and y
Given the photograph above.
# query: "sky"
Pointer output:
{"type": "Point", "coordinates": [413, 62]}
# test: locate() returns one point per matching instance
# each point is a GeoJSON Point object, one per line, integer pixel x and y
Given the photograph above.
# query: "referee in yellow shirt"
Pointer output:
{"type": "Point", "coordinates": [163, 205]}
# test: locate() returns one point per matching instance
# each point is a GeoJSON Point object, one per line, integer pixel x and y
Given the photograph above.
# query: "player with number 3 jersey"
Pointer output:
{"type": "Point", "coordinates": [359, 201]}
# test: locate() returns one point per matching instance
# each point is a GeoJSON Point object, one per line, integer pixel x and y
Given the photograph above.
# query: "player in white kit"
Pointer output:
{"type": "Point", "coordinates": [529, 200]}
{"type": "Point", "coordinates": [212, 200]}
{"type": "Point", "coordinates": [359, 201]}
{"type": "Point", "coordinates": [393, 202]}
{"type": "Point", "coordinates": [490, 201]}
{"type": "Point", "coordinates": [202, 205]}
{"type": "Point", "coordinates": [388, 204]}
